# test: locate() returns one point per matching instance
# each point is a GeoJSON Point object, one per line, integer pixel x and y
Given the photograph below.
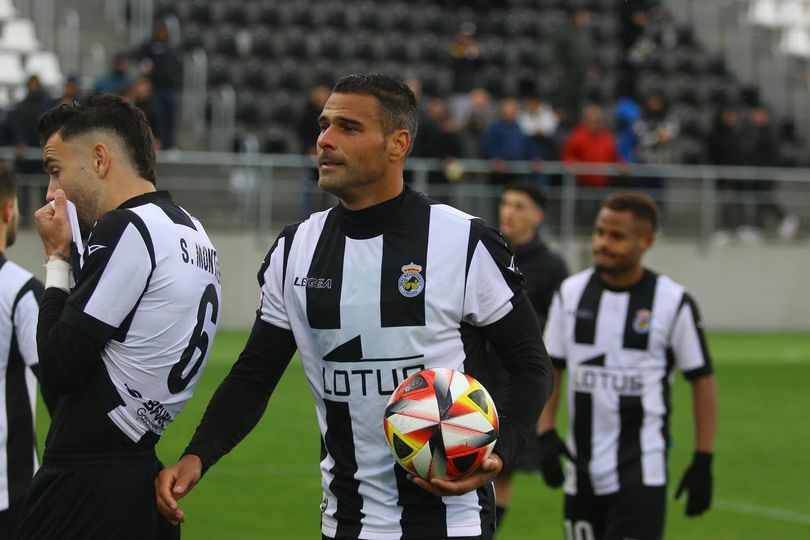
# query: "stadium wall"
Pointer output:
{"type": "Point", "coordinates": [738, 287]}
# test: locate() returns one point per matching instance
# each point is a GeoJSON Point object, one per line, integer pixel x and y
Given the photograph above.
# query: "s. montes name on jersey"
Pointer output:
{"type": "Point", "coordinates": [206, 258]}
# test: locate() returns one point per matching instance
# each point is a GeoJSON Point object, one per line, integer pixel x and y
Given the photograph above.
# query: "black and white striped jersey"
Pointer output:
{"type": "Point", "coordinates": [19, 297]}
{"type": "Point", "coordinates": [369, 305]}
{"type": "Point", "coordinates": [619, 348]}
{"type": "Point", "coordinates": [149, 296]}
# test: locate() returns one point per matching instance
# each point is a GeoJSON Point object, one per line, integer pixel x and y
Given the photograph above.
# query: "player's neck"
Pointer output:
{"type": "Point", "coordinates": [126, 190]}
{"type": "Point", "coordinates": [622, 280]}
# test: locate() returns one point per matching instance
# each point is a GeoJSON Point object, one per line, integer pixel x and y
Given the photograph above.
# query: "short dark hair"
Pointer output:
{"type": "Point", "coordinates": [640, 205]}
{"type": "Point", "coordinates": [535, 194]}
{"type": "Point", "coordinates": [8, 183]}
{"type": "Point", "coordinates": [106, 112]}
{"type": "Point", "coordinates": [397, 101]}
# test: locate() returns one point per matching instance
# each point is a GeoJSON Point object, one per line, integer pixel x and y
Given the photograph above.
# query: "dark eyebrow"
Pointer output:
{"type": "Point", "coordinates": [47, 161]}
{"type": "Point", "coordinates": [339, 119]}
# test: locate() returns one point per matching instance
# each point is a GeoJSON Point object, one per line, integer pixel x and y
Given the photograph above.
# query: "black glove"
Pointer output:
{"type": "Point", "coordinates": [697, 480]}
{"type": "Point", "coordinates": [551, 449]}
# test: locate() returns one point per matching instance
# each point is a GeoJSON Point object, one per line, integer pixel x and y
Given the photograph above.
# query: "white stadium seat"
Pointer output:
{"type": "Point", "coordinates": [7, 10]}
{"type": "Point", "coordinates": [764, 13]}
{"type": "Point", "coordinates": [796, 41]}
{"type": "Point", "coordinates": [19, 35]}
{"type": "Point", "coordinates": [45, 65]}
{"type": "Point", "coordinates": [11, 69]}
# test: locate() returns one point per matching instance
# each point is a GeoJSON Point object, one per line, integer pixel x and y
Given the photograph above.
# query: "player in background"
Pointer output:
{"type": "Point", "coordinates": [20, 292]}
{"type": "Point", "coordinates": [124, 348]}
{"type": "Point", "coordinates": [333, 287]}
{"type": "Point", "coordinates": [521, 211]}
{"type": "Point", "coordinates": [619, 329]}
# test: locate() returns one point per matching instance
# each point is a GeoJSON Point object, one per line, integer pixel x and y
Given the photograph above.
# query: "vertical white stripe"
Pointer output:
{"type": "Point", "coordinates": [360, 295]}
{"type": "Point", "coordinates": [3, 437]}
{"type": "Point", "coordinates": [653, 461]}
{"type": "Point", "coordinates": [463, 514]}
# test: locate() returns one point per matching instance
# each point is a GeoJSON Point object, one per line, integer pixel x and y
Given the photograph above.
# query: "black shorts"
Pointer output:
{"type": "Point", "coordinates": [95, 496]}
{"type": "Point", "coordinates": [636, 513]}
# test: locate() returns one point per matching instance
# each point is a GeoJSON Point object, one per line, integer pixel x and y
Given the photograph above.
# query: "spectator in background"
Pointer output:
{"type": "Point", "coordinates": [164, 68]}
{"type": "Point", "coordinates": [760, 148]}
{"type": "Point", "coordinates": [24, 119]}
{"type": "Point", "coordinates": [473, 114]}
{"type": "Point", "coordinates": [306, 125]}
{"type": "Point", "coordinates": [142, 96]}
{"type": "Point", "coordinates": [438, 139]}
{"type": "Point", "coordinates": [117, 81]}
{"type": "Point", "coordinates": [723, 148]}
{"type": "Point", "coordinates": [504, 141]}
{"type": "Point", "coordinates": [657, 131]}
{"type": "Point", "coordinates": [573, 59]}
{"type": "Point", "coordinates": [70, 91]}
{"type": "Point", "coordinates": [590, 142]}
{"type": "Point", "coordinates": [538, 121]}
{"type": "Point", "coordinates": [307, 131]}
{"type": "Point", "coordinates": [467, 58]}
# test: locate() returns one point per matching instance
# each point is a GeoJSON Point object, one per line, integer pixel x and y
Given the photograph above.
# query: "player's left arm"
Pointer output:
{"type": "Point", "coordinates": [74, 325]}
{"type": "Point", "coordinates": [496, 303]}
{"type": "Point", "coordinates": [692, 357]}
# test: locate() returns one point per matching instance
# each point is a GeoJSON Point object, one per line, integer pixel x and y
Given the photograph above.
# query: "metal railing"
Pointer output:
{"type": "Point", "coordinates": [262, 192]}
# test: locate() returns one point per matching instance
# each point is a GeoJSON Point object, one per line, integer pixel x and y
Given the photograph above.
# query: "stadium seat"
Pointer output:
{"type": "Point", "coordinates": [275, 141]}
{"type": "Point", "coordinates": [281, 108]}
{"type": "Point", "coordinates": [218, 73]}
{"type": "Point", "coordinates": [11, 69]}
{"type": "Point", "coordinates": [495, 51]}
{"type": "Point", "coordinates": [192, 37]}
{"type": "Point", "coordinates": [396, 47]}
{"type": "Point", "coordinates": [247, 109]}
{"type": "Point", "coordinates": [298, 14]}
{"type": "Point", "coordinates": [363, 46]}
{"type": "Point", "coordinates": [527, 81]}
{"type": "Point", "coordinates": [235, 12]}
{"type": "Point", "coordinates": [796, 41]}
{"type": "Point", "coordinates": [19, 35]}
{"type": "Point", "coordinates": [7, 10]}
{"type": "Point", "coordinates": [254, 76]}
{"type": "Point", "coordinates": [368, 17]}
{"type": "Point", "coordinates": [200, 12]}
{"type": "Point", "coordinates": [524, 23]}
{"type": "Point", "coordinates": [290, 77]}
{"type": "Point", "coordinates": [429, 48]}
{"type": "Point", "coordinates": [269, 13]}
{"type": "Point", "coordinates": [162, 9]}
{"type": "Point", "coordinates": [262, 43]}
{"type": "Point", "coordinates": [294, 43]}
{"type": "Point", "coordinates": [323, 73]}
{"type": "Point", "coordinates": [398, 18]}
{"type": "Point", "coordinates": [226, 41]}
{"type": "Point", "coordinates": [45, 65]}
{"type": "Point", "coordinates": [335, 14]}
{"type": "Point", "coordinates": [432, 19]}
{"type": "Point", "coordinates": [329, 45]}
{"type": "Point", "coordinates": [492, 80]}
{"type": "Point", "coordinates": [495, 23]}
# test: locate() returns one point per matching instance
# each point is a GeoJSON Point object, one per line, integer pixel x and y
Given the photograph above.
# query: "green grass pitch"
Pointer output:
{"type": "Point", "coordinates": [269, 486]}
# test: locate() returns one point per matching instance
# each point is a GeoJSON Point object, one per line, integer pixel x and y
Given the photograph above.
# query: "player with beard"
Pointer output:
{"type": "Point", "coordinates": [20, 292]}
{"type": "Point", "coordinates": [619, 329]}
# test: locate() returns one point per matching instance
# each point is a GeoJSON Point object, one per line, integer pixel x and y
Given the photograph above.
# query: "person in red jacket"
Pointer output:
{"type": "Point", "coordinates": [591, 142]}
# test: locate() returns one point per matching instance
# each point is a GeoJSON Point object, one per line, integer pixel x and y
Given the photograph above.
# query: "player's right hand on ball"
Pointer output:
{"type": "Point", "coordinates": [173, 483]}
{"type": "Point", "coordinates": [552, 448]}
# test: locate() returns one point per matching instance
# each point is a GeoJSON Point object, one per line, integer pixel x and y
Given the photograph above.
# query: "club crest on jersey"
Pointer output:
{"type": "Point", "coordinates": [411, 282]}
{"type": "Point", "coordinates": [641, 322]}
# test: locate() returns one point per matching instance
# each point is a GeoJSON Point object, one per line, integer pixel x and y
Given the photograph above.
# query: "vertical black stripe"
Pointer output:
{"type": "Point", "coordinates": [667, 398]}
{"type": "Point", "coordinates": [631, 417]}
{"type": "Point", "coordinates": [403, 246]}
{"type": "Point", "coordinates": [20, 421]}
{"type": "Point", "coordinates": [472, 242]}
{"type": "Point", "coordinates": [696, 320]}
{"type": "Point", "coordinates": [486, 499]}
{"type": "Point", "coordinates": [423, 515]}
{"type": "Point", "coordinates": [638, 322]}
{"type": "Point", "coordinates": [583, 434]}
{"type": "Point", "coordinates": [339, 441]}
{"type": "Point", "coordinates": [323, 305]}
{"type": "Point", "coordinates": [289, 236]}
{"type": "Point", "coordinates": [587, 311]}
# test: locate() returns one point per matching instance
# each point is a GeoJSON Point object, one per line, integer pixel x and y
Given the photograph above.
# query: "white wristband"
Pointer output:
{"type": "Point", "coordinates": [57, 274]}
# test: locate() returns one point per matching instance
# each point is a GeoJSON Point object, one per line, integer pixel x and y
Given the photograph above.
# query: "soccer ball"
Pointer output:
{"type": "Point", "coordinates": [441, 423]}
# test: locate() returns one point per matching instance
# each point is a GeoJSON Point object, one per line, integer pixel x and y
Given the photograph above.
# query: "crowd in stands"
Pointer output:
{"type": "Point", "coordinates": [578, 112]}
